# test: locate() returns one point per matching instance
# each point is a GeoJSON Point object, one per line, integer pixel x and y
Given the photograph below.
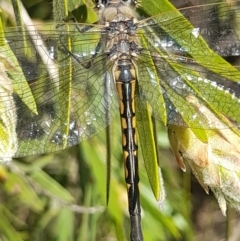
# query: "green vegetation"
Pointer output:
{"type": "Point", "coordinates": [61, 196]}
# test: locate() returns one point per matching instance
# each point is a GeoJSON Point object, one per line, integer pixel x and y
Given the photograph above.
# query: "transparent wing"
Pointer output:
{"type": "Point", "coordinates": [174, 65]}
{"type": "Point", "coordinates": [71, 85]}
{"type": "Point", "coordinates": [176, 58]}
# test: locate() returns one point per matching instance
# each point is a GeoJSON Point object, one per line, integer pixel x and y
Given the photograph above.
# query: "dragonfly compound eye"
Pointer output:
{"type": "Point", "coordinates": [101, 3]}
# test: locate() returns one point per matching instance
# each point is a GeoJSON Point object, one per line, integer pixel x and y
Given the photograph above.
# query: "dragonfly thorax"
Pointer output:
{"type": "Point", "coordinates": [123, 49]}
{"type": "Point", "coordinates": [116, 27]}
{"type": "Point", "coordinates": [122, 42]}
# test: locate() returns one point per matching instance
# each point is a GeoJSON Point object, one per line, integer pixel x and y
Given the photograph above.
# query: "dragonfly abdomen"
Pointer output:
{"type": "Point", "coordinates": [125, 78]}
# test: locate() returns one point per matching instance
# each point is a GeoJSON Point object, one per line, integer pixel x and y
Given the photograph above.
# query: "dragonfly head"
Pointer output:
{"type": "Point", "coordinates": [115, 10]}
{"type": "Point", "coordinates": [105, 3]}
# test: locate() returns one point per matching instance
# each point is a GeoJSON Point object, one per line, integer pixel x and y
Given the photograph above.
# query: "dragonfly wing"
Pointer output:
{"type": "Point", "coordinates": [74, 94]}
{"type": "Point", "coordinates": [193, 69]}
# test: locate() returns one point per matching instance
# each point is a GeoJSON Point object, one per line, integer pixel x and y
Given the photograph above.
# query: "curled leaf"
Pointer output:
{"type": "Point", "coordinates": [215, 163]}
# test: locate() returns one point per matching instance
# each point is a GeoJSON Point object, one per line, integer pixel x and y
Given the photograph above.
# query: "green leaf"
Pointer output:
{"type": "Point", "coordinates": [218, 99]}
{"type": "Point", "coordinates": [147, 77]}
{"type": "Point", "coordinates": [80, 14]}
{"type": "Point", "coordinates": [148, 145]}
{"type": "Point", "coordinates": [84, 14]}
{"type": "Point", "coordinates": [18, 186]}
{"type": "Point", "coordinates": [178, 101]}
{"type": "Point", "coordinates": [2, 37]}
{"type": "Point", "coordinates": [15, 73]}
{"type": "Point", "coordinates": [65, 74]}
{"type": "Point", "coordinates": [46, 218]}
{"type": "Point", "coordinates": [7, 229]}
{"type": "Point", "coordinates": [98, 169]}
{"type": "Point", "coordinates": [12, 218]}
{"type": "Point", "coordinates": [155, 215]}
{"type": "Point", "coordinates": [64, 225]}
{"type": "Point", "coordinates": [48, 184]}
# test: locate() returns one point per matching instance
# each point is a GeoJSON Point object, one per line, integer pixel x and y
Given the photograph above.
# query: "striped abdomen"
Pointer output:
{"type": "Point", "coordinates": [125, 77]}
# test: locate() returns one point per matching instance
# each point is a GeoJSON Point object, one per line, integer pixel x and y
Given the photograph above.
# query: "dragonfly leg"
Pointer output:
{"type": "Point", "coordinates": [85, 64]}
{"type": "Point", "coordinates": [89, 63]}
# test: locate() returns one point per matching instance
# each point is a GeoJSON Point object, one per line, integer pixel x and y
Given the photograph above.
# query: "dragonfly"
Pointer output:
{"type": "Point", "coordinates": [65, 83]}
